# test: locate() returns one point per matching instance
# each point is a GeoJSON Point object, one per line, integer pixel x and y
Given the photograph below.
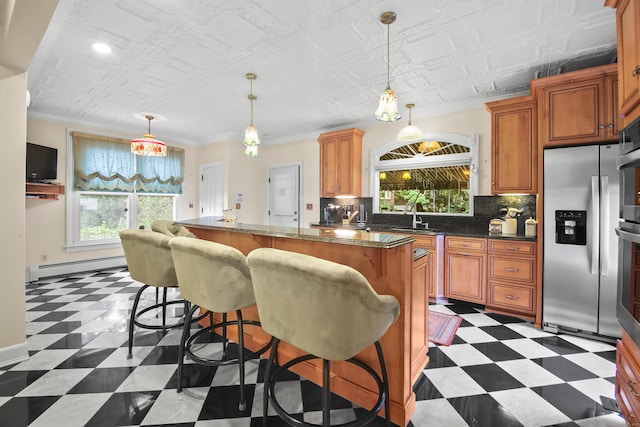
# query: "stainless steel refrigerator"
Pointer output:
{"type": "Point", "coordinates": [581, 210]}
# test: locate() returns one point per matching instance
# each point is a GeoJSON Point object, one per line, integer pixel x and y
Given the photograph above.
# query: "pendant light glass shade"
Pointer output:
{"type": "Point", "coordinates": [148, 145]}
{"type": "Point", "coordinates": [388, 106]}
{"type": "Point", "coordinates": [251, 151]}
{"type": "Point", "coordinates": [251, 139]}
{"type": "Point", "coordinates": [410, 133]}
{"type": "Point", "coordinates": [251, 136]}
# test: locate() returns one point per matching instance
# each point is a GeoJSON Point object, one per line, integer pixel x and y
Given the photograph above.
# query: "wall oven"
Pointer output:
{"type": "Point", "coordinates": [628, 231]}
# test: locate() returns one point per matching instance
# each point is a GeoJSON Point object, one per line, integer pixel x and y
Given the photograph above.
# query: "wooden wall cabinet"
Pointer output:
{"type": "Point", "coordinates": [35, 190]}
{"type": "Point", "coordinates": [341, 163]}
{"type": "Point", "coordinates": [578, 107]}
{"type": "Point", "coordinates": [628, 26]}
{"type": "Point", "coordinates": [465, 269]}
{"type": "Point", "coordinates": [511, 277]}
{"type": "Point", "coordinates": [514, 149]}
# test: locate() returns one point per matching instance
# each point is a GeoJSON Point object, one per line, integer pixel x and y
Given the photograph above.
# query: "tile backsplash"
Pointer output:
{"type": "Point", "coordinates": [485, 208]}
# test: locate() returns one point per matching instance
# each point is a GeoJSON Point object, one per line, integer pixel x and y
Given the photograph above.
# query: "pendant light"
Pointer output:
{"type": "Point", "coordinates": [388, 106]}
{"type": "Point", "coordinates": [251, 140]}
{"type": "Point", "coordinates": [148, 145]}
{"type": "Point", "coordinates": [410, 133]}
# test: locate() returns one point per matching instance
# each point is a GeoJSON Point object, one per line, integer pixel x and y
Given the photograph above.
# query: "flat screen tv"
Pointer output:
{"type": "Point", "coordinates": [42, 163]}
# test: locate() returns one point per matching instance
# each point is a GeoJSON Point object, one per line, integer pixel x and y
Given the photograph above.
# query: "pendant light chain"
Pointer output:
{"type": "Point", "coordinates": [251, 98]}
{"type": "Point", "coordinates": [388, 56]}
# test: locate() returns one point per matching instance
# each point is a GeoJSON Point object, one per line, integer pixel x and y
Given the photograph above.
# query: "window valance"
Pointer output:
{"type": "Point", "coordinates": [106, 164]}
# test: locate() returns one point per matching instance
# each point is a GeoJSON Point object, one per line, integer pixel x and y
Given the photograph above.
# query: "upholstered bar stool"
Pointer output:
{"type": "Point", "coordinates": [169, 228]}
{"type": "Point", "coordinates": [150, 262]}
{"type": "Point", "coordinates": [216, 278]}
{"type": "Point", "coordinates": [325, 309]}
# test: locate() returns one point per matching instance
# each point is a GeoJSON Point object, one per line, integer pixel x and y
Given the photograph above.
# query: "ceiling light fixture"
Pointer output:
{"type": "Point", "coordinates": [388, 106]}
{"type": "Point", "coordinates": [251, 140]}
{"type": "Point", "coordinates": [410, 133]}
{"type": "Point", "coordinates": [101, 48]}
{"type": "Point", "coordinates": [148, 145]}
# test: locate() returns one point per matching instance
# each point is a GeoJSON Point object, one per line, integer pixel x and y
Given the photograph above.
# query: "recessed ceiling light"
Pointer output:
{"type": "Point", "coordinates": [101, 48]}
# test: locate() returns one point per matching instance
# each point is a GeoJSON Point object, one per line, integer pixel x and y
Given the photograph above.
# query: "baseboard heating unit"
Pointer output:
{"type": "Point", "coordinates": [37, 272]}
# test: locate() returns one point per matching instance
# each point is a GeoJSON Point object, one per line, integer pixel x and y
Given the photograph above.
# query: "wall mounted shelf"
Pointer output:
{"type": "Point", "coordinates": [43, 191]}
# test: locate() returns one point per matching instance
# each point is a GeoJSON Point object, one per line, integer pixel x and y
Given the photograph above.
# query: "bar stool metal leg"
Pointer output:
{"type": "Point", "coordinates": [132, 319]}
{"type": "Point", "coordinates": [243, 403]}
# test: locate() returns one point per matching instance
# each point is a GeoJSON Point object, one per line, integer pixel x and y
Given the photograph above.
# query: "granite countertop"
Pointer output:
{"type": "Point", "coordinates": [461, 232]}
{"type": "Point", "coordinates": [342, 236]}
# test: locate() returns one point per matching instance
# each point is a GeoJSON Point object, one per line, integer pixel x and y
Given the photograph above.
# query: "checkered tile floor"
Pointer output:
{"type": "Point", "coordinates": [499, 371]}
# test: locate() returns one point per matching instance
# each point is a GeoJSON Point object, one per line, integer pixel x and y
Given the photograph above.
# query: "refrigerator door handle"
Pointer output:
{"type": "Point", "coordinates": [595, 213]}
{"type": "Point", "coordinates": [604, 226]}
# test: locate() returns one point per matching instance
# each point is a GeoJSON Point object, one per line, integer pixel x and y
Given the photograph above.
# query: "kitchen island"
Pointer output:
{"type": "Point", "coordinates": [386, 260]}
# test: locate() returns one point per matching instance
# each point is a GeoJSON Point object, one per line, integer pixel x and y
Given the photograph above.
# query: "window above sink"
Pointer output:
{"type": "Point", "coordinates": [438, 173]}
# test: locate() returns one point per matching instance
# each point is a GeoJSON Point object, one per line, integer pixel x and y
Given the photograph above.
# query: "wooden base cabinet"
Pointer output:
{"type": "Point", "coordinates": [512, 284]}
{"type": "Point", "coordinates": [628, 379]}
{"type": "Point", "coordinates": [465, 269]}
{"type": "Point", "coordinates": [430, 244]}
{"type": "Point", "coordinates": [421, 282]}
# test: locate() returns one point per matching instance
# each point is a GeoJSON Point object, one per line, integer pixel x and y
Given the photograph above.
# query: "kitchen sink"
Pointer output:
{"type": "Point", "coordinates": [414, 230]}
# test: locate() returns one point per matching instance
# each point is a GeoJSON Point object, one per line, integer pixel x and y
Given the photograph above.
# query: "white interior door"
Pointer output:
{"type": "Point", "coordinates": [211, 189]}
{"type": "Point", "coordinates": [284, 195]}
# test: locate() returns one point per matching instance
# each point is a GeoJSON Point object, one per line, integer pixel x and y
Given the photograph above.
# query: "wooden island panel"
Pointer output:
{"type": "Point", "coordinates": [389, 271]}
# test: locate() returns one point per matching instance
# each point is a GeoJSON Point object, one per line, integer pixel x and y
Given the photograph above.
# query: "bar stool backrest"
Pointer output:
{"type": "Point", "coordinates": [149, 258]}
{"type": "Point", "coordinates": [169, 228]}
{"type": "Point", "coordinates": [212, 275]}
{"type": "Point", "coordinates": [324, 308]}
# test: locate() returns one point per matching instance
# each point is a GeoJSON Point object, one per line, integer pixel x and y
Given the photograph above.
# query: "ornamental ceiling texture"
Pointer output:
{"type": "Point", "coordinates": [321, 65]}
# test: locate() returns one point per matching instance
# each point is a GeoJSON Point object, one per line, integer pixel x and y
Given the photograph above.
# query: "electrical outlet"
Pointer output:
{"type": "Point", "coordinates": [43, 257]}
{"type": "Point", "coordinates": [309, 206]}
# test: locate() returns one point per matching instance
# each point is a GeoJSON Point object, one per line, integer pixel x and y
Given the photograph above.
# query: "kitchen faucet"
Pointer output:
{"type": "Point", "coordinates": [416, 219]}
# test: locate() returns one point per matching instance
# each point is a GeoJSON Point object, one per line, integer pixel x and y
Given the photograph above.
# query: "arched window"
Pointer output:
{"type": "Point", "coordinates": [439, 174]}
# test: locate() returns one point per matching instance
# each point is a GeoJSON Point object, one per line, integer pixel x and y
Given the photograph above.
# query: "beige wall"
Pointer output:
{"type": "Point", "coordinates": [12, 170]}
{"type": "Point", "coordinates": [23, 26]}
{"type": "Point", "coordinates": [46, 219]}
{"type": "Point", "coordinates": [469, 122]}
{"type": "Point", "coordinates": [241, 174]}
{"type": "Point", "coordinates": [249, 176]}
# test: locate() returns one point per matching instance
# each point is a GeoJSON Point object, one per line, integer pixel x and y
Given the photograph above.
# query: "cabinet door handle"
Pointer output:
{"type": "Point", "coordinates": [635, 71]}
{"type": "Point", "coordinates": [631, 385]}
{"type": "Point", "coordinates": [463, 254]}
{"type": "Point", "coordinates": [512, 248]}
{"type": "Point", "coordinates": [512, 297]}
{"type": "Point", "coordinates": [511, 269]}
{"type": "Point", "coordinates": [601, 126]}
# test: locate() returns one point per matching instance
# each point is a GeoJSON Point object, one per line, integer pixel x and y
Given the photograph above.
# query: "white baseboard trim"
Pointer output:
{"type": "Point", "coordinates": [13, 354]}
{"type": "Point", "coordinates": [37, 272]}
